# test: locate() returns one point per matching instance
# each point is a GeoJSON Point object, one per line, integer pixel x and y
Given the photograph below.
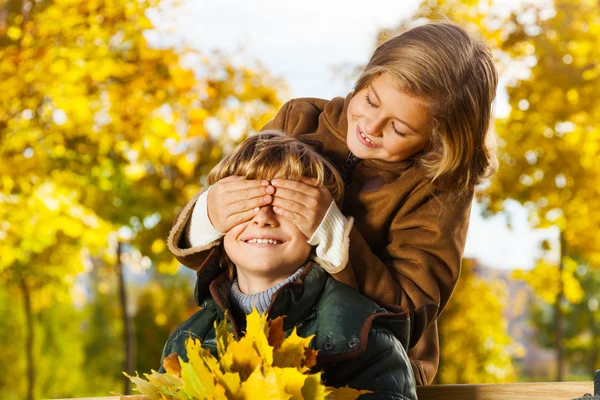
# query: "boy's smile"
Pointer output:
{"type": "Point", "coordinates": [264, 241]}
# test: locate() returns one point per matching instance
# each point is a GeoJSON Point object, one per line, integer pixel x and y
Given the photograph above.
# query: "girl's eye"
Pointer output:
{"type": "Point", "coordinates": [370, 102]}
{"type": "Point", "coordinates": [398, 132]}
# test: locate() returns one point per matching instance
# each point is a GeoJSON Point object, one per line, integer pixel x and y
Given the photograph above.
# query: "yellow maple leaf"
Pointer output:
{"type": "Point", "coordinates": [232, 383]}
{"type": "Point", "coordinates": [224, 337]}
{"type": "Point", "coordinates": [144, 387]}
{"type": "Point", "coordinates": [345, 393]}
{"type": "Point", "coordinates": [314, 388]}
{"type": "Point", "coordinates": [165, 381]}
{"type": "Point", "coordinates": [262, 387]}
{"type": "Point", "coordinates": [257, 330]}
{"type": "Point", "coordinates": [291, 381]}
{"type": "Point", "coordinates": [292, 352]}
{"type": "Point", "coordinates": [197, 356]}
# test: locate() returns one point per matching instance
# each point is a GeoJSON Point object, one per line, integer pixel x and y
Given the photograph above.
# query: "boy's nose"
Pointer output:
{"type": "Point", "coordinates": [266, 217]}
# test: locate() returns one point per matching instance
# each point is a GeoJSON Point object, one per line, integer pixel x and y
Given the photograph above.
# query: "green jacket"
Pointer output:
{"type": "Point", "coordinates": [360, 344]}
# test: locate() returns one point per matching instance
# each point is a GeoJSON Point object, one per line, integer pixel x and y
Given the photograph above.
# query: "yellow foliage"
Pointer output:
{"type": "Point", "coordinates": [474, 344]}
{"type": "Point", "coordinates": [545, 279]}
{"type": "Point", "coordinates": [94, 118]}
{"type": "Point", "coordinates": [558, 131]}
{"type": "Point", "coordinates": [246, 369]}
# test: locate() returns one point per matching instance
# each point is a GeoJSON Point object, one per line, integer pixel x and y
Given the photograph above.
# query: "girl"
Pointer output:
{"type": "Point", "coordinates": [410, 141]}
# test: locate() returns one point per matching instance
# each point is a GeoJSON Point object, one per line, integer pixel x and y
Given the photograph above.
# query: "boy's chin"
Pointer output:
{"type": "Point", "coordinates": [266, 270]}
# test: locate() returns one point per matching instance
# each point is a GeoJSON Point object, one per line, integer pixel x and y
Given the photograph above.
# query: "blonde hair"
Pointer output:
{"type": "Point", "coordinates": [272, 154]}
{"type": "Point", "coordinates": [453, 73]}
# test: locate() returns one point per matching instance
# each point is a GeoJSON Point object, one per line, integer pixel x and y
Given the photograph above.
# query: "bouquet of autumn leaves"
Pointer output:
{"type": "Point", "coordinates": [262, 365]}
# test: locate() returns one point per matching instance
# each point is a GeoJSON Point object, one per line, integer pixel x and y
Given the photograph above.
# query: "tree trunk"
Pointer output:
{"type": "Point", "coordinates": [594, 353]}
{"type": "Point", "coordinates": [29, 339]}
{"type": "Point", "coordinates": [26, 6]}
{"type": "Point", "coordinates": [128, 328]}
{"type": "Point", "coordinates": [558, 317]}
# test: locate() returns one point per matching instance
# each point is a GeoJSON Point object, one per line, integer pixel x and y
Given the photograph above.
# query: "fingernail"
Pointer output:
{"type": "Point", "coordinates": [255, 210]}
{"type": "Point", "coordinates": [275, 182]}
{"type": "Point", "coordinates": [275, 208]}
{"type": "Point", "coordinates": [270, 190]}
{"type": "Point", "coordinates": [264, 183]}
{"type": "Point", "coordinates": [267, 198]}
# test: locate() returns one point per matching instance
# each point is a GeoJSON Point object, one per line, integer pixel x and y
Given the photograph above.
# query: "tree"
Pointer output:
{"type": "Point", "coordinates": [474, 345]}
{"type": "Point", "coordinates": [162, 306]}
{"type": "Point", "coordinates": [549, 142]}
{"type": "Point", "coordinates": [582, 316]}
{"type": "Point", "coordinates": [100, 133]}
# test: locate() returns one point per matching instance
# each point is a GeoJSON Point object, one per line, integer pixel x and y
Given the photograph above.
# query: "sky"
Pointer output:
{"type": "Point", "coordinates": [307, 43]}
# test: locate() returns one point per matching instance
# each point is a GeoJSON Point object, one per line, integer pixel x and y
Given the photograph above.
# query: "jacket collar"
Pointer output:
{"type": "Point", "coordinates": [296, 300]}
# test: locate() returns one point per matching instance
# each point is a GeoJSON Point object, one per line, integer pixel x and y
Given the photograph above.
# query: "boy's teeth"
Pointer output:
{"type": "Point", "coordinates": [263, 241]}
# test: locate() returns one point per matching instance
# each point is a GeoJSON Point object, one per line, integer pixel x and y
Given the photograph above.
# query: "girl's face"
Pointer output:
{"type": "Point", "coordinates": [385, 123]}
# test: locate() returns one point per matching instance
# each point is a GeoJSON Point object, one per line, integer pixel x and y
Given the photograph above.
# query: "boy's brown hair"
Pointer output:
{"type": "Point", "coordinates": [453, 73]}
{"type": "Point", "coordinates": [272, 154]}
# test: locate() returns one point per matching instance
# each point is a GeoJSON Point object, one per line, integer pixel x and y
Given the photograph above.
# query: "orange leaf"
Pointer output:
{"type": "Point", "coordinates": [310, 359]}
{"type": "Point", "coordinates": [276, 332]}
{"type": "Point", "coordinates": [171, 364]}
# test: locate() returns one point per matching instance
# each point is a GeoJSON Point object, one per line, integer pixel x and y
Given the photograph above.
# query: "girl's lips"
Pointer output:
{"type": "Point", "coordinates": [362, 139]}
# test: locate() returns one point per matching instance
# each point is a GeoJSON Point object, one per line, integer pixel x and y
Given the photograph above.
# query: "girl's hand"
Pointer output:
{"type": "Point", "coordinates": [234, 200]}
{"type": "Point", "coordinates": [302, 203]}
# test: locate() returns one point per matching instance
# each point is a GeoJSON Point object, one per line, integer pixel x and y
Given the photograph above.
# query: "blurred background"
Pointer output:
{"type": "Point", "coordinates": [113, 111]}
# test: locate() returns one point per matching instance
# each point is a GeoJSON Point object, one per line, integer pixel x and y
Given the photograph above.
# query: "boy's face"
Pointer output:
{"type": "Point", "coordinates": [267, 245]}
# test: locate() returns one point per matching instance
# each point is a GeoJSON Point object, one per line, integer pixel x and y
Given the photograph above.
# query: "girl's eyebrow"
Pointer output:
{"type": "Point", "coordinates": [395, 117]}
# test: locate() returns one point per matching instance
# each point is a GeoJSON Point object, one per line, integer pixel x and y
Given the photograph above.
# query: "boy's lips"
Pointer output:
{"type": "Point", "coordinates": [362, 137]}
{"type": "Point", "coordinates": [263, 240]}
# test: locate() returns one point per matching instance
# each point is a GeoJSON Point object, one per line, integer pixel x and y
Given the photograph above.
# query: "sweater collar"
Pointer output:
{"type": "Point", "coordinates": [261, 300]}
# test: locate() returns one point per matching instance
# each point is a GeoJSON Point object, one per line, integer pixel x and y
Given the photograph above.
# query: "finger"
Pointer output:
{"type": "Point", "coordinates": [248, 194]}
{"type": "Point", "coordinates": [310, 181]}
{"type": "Point", "coordinates": [231, 178]}
{"type": "Point", "coordinates": [245, 205]}
{"type": "Point", "coordinates": [307, 200]}
{"type": "Point", "coordinates": [296, 186]}
{"type": "Point", "coordinates": [295, 218]}
{"type": "Point", "coordinates": [239, 184]}
{"type": "Point", "coordinates": [241, 217]}
{"type": "Point", "coordinates": [291, 206]}
{"type": "Point", "coordinates": [289, 184]}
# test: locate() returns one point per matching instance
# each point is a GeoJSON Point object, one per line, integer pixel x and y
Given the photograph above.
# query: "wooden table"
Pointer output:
{"type": "Point", "coordinates": [507, 391]}
{"type": "Point", "coordinates": [503, 391]}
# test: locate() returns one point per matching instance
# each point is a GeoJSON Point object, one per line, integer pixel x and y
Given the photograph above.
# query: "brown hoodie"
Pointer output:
{"type": "Point", "coordinates": [408, 236]}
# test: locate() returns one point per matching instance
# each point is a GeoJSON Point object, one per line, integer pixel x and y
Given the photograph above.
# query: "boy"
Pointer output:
{"type": "Point", "coordinates": [267, 263]}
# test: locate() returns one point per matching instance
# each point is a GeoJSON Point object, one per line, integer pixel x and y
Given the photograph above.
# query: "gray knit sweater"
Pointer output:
{"type": "Point", "coordinates": [260, 300]}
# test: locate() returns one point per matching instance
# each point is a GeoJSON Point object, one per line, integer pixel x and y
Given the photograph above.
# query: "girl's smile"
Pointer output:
{"type": "Point", "coordinates": [364, 139]}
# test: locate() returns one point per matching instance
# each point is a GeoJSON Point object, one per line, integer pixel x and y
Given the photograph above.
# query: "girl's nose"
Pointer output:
{"type": "Point", "coordinates": [374, 125]}
{"type": "Point", "coordinates": [266, 217]}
